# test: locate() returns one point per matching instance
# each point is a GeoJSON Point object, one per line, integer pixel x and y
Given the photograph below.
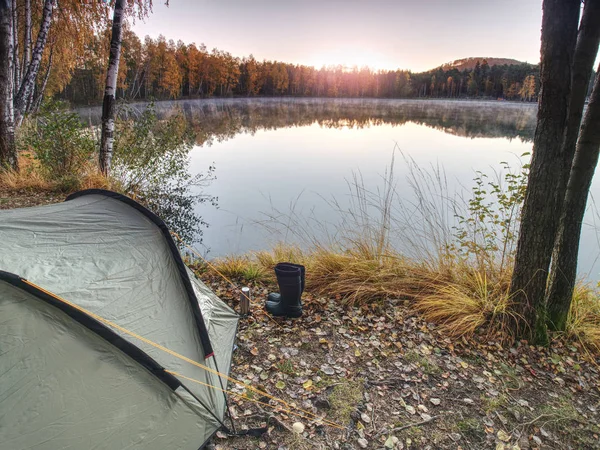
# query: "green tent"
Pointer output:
{"type": "Point", "coordinates": [69, 380]}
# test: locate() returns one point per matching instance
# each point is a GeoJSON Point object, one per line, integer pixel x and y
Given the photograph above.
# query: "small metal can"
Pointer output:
{"type": "Point", "coordinates": [245, 301]}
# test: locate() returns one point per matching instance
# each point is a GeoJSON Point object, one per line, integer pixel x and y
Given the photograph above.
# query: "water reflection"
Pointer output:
{"type": "Point", "coordinates": [217, 120]}
{"type": "Point", "coordinates": [281, 157]}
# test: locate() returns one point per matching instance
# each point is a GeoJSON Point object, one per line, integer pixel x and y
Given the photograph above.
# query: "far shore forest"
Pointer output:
{"type": "Point", "coordinates": [164, 69]}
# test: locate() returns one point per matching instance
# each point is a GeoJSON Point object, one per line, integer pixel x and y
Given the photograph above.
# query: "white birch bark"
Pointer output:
{"type": "Point", "coordinates": [28, 82]}
{"type": "Point", "coordinates": [27, 43]}
{"type": "Point", "coordinates": [108, 104]}
{"type": "Point", "coordinates": [8, 152]}
{"type": "Point", "coordinates": [15, 39]}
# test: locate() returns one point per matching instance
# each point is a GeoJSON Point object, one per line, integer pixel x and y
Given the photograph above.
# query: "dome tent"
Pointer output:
{"type": "Point", "coordinates": [68, 380]}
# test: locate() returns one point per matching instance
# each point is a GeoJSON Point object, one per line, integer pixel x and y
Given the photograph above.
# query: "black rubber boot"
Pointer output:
{"type": "Point", "coordinates": [290, 280]}
{"type": "Point", "coordinates": [275, 297]}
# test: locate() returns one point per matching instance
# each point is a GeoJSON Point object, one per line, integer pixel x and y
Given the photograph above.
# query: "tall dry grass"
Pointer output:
{"type": "Point", "coordinates": [387, 247]}
{"type": "Point", "coordinates": [30, 179]}
{"type": "Point", "coordinates": [583, 322]}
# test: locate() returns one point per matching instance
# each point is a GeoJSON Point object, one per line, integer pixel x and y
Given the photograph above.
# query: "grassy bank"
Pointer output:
{"type": "Point", "coordinates": [462, 300]}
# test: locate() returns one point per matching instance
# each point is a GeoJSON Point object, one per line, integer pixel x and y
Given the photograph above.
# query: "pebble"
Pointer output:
{"type": "Point", "coordinates": [363, 443]}
{"type": "Point", "coordinates": [435, 401]}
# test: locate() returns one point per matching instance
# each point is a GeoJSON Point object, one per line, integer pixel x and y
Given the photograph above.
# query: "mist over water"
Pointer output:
{"type": "Point", "coordinates": [281, 163]}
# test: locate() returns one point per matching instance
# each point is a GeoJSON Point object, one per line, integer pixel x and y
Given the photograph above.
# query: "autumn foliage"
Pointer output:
{"type": "Point", "coordinates": [162, 69]}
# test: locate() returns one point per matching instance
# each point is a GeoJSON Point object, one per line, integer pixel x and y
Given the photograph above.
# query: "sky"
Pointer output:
{"type": "Point", "coordinates": [384, 34]}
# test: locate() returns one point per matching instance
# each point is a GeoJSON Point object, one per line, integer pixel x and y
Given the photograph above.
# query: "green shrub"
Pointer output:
{"type": "Point", "coordinates": [487, 234]}
{"type": "Point", "coordinates": [58, 141]}
{"type": "Point", "coordinates": [150, 162]}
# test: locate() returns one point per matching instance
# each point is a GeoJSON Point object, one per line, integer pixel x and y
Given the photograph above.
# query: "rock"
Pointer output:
{"type": "Point", "coordinates": [365, 418]}
{"type": "Point", "coordinates": [537, 440]}
{"type": "Point", "coordinates": [422, 408]}
{"type": "Point", "coordinates": [468, 401]}
{"type": "Point", "coordinates": [411, 409]}
{"type": "Point", "coordinates": [298, 427]}
{"type": "Point", "coordinates": [435, 401]}
{"type": "Point", "coordinates": [363, 443]}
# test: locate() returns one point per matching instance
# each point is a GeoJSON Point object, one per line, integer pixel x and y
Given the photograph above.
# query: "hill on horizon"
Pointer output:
{"type": "Point", "coordinates": [469, 63]}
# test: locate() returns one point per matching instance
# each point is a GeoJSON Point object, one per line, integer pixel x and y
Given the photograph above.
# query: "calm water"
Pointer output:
{"type": "Point", "coordinates": [282, 163]}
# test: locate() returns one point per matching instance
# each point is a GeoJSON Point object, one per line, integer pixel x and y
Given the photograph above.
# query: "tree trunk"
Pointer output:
{"type": "Point", "coordinates": [15, 38]}
{"type": "Point", "coordinates": [27, 42]}
{"type": "Point", "coordinates": [542, 207]}
{"type": "Point", "coordinates": [8, 151]}
{"type": "Point", "coordinates": [586, 50]}
{"type": "Point", "coordinates": [35, 104]}
{"type": "Point", "coordinates": [566, 250]}
{"type": "Point", "coordinates": [28, 82]}
{"type": "Point", "coordinates": [108, 105]}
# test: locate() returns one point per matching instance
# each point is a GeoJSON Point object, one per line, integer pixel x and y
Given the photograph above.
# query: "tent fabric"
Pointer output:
{"type": "Point", "coordinates": [60, 376]}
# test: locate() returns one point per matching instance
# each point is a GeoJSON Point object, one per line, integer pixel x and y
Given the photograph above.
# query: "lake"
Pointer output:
{"type": "Point", "coordinates": [285, 167]}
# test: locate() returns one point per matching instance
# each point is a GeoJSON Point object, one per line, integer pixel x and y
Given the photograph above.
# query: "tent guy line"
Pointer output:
{"type": "Point", "coordinates": [243, 397]}
{"type": "Point", "coordinates": [308, 414]}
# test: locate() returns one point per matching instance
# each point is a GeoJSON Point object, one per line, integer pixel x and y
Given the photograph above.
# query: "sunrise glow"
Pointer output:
{"type": "Point", "coordinates": [350, 57]}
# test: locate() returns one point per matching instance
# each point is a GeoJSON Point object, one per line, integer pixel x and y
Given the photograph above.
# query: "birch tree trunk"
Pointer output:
{"type": "Point", "coordinates": [8, 152]}
{"type": "Point", "coordinates": [27, 43]}
{"type": "Point", "coordinates": [542, 206]}
{"type": "Point", "coordinates": [566, 249]}
{"type": "Point", "coordinates": [34, 105]}
{"type": "Point", "coordinates": [108, 105]}
{"type": "Point", "coordinates": [15, 38]}
{"type": "Point", "coordinates": [26, 89]}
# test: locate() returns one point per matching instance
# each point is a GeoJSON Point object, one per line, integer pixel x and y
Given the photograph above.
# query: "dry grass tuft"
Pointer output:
{"type": "Point", "coordinates": [25, 180]}
{"type": "Point", "coordinates": [31, 179]}
{"type": "Point", "coordinates": [359, 277]}
{"type": "Point", "coordinates": [356, 276]}
{"type": "Point", "coordinates": [239, 267]}
{"type": "Point", "coordinates": [466, 305]}
{"type": "Point", "coordinates": [96, 180]}
{"type": "Point", "coordinates": [583, 322]}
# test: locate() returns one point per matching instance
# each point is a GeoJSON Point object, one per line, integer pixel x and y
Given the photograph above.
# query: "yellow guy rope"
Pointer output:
{"type": "Point", "coordinates": [191, 249]}
{"type": "Point", "coordinates": [243, 397]}
{"type": "Point", "coordinates": [177, 355]}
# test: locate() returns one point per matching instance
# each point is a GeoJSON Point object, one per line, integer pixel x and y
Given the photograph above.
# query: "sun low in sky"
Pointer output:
{"type": "Point", "coordinates": [349, 58]}
{"type": "Point", "coordinates": [383, 34]}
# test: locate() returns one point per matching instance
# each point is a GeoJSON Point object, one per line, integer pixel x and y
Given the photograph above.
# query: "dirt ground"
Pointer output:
{"type": "Point", "coordinates": [392, 381]}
